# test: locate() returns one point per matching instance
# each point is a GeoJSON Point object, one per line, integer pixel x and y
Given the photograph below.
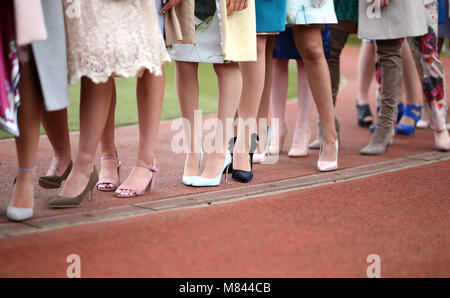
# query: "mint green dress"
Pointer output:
{"type": "Point", "coordinates": [303, 12]}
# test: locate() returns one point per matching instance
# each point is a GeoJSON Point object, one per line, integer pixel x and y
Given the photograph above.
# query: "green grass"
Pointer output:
{"type": "Point", "coordinates": [126, 110]}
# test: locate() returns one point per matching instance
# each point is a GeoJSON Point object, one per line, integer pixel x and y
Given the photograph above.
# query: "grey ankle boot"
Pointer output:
{"type": "Point", "coordinates": [318, 142]}
{"type": "Point", "coordinates": [379, 143]}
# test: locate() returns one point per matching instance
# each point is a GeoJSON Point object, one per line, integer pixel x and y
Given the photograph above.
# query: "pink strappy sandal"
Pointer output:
{"type": "Point", "coordinates": [109, 184]}
{"type": "Point", "coordinates": [134, 190]}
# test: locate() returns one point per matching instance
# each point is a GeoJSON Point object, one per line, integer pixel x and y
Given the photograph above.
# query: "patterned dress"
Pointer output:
{"type": "Point", "coordinates": [303, 12]}
{"type": "Point", "coordinates": [113, 38]}
{"type": "Point", "coordinates": [208, 39]}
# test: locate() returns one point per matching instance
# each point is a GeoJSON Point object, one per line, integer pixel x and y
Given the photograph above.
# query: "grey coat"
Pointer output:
{"type": "Point", "coordinates": [402, 18]}
{"type": "Point", "coordinates": [50, 57]}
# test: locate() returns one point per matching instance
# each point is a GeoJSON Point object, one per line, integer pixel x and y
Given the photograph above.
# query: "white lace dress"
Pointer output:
{"type": "Point", "coordinates": [113, 38]}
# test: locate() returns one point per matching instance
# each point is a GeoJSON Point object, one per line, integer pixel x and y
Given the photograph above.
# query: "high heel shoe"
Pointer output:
{"type": "Point", "coordinates": [18, 213]}
{"type": "Point", "coordinates": [364, 113]}
{"type": "Point", "coordinates": [109, 184]}
{"type": "Point", "coordinates": [199, 181]}
{"type": "Point", "coordinates": [317, 143]}
{"type": "Point", "coordinates": [300, 151]}
{"type": "Point", "coordinates": [245, 176]}
{"type": "Point", "coordinates": [66, 202]}
{"type": "Point", "coordinates": [327, 166]}
{"type": "Point", "coordinates": [409, 112]}
{"type": "Point", "coordinates": [135, 192]}
{"type": "Point", "coordinates": [440, 145]}
{"type": "Point", "coordinates": [261, 157]}
{"type": "Point", "coordinates": [55, 181]}
{"type": "Point", "coordinates": [188, 180]}
{"type": "Point", "coordinates": [275, 149]}
{"type": "Point", "coordinates": [380, 142]}
{"type": "Point", "coordinates": [400, 112]}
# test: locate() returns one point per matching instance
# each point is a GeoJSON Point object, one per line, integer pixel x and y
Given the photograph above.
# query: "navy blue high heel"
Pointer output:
{"type": "Point", "coordinates": [245, 176]}
{"type": "Point", "coordinates": [409, 129]}
{"type": "Point", "coordinates": [401, 111]}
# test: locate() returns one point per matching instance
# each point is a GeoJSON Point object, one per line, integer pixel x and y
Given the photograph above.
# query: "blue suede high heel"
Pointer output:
{"type": "Point", "coordinates": [188, 180]}
{"type": "Point", "coordinates": [409, 129]}
{"type": "Point", "coordinates": [401, 111]}
{"type": "Point", "coordinates": [199, 181]}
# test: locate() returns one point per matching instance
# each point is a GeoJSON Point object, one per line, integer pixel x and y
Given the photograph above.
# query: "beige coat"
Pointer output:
{"type": "Point", "coordinates": [402, 18]}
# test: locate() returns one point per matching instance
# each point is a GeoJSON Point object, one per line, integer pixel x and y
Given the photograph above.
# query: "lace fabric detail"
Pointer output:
{"type": "Point", "coordinates": [113, 38]}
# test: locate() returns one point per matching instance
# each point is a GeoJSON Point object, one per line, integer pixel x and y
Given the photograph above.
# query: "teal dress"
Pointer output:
{"type": "Point", "coordinates": [346, 10]}
{"type": "Point", "coordinates": [270, 16]}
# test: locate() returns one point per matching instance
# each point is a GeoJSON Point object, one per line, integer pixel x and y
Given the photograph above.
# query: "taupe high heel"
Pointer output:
{"type": "Point", "coordinates": [55, 181]}
{"type": "Point", "coordinates": [65, 202]}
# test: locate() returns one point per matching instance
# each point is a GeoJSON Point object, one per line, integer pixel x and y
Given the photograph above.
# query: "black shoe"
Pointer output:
{"type": "Point", "coordinates": [244, 176]}
{"type": "Point", "coordinates": [231, 149]}
{"type": "Point", "coordinates": [363, 113]}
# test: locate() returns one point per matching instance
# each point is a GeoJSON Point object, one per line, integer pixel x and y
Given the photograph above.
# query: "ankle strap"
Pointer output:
{"type": "Point", "coordinates": [148, 167]}
{"type": "Point", "coordinates": [29, 170]}
{"type": "Point", "coordinates": [109, 157]}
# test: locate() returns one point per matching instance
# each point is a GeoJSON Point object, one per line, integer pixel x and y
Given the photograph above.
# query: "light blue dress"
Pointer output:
{"type": "Point", "coordinates": [270, 16]}
{"type": "Point", "coordinates": [302, 12]}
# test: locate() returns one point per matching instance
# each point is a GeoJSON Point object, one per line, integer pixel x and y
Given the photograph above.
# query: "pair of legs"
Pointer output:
{"type": "Point", "coordinates": [230, 86]}
{"type": "Point", "coordinates": [411, 83]}
{"type": "Point", "coordinates": [305, 101]}
{"type": "Point", "coordinates": [308, 40]}
{"type": "Point", "coordinates": [31, 113]}
{"type": "Point", "coordinates": [97, 124]}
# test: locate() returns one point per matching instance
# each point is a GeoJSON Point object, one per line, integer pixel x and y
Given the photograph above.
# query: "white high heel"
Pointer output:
{"type": "Point", "coordinates": [327, 166]}
{"type": "Point", "coordinates": [17, 213]}
{"type": "Point", "coordinates": [199, 181]}
{"type": "Point", "coordinates": [261, 157]}
{"type": "Point", "coordinates": [188, 180]}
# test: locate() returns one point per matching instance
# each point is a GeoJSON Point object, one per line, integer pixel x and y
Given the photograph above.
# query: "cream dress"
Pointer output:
{"type": "Point", "coordinates": [113, 38]}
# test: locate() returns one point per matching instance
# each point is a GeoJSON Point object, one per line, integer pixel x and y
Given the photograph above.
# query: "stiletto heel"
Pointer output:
{"type": "Point", "coordinates": [364, 113]}
{"type": "Point", "coordinates": [261, 157]}
{"type": "Point", "coordinates": [245, 176]}
{"type": "Point", "coordinates": [55, 181]}
{"type": "Point", "coordinates": [109, 184]}
{"type": "Point", "coordinates": [66, 202]}
{"type": "Point", "coordinates": [199, 181]}
{"type": "Point", "coordinates": [18, 213]}
{"type": "Point", "coordinates": [275, 149]}
{"type": "Point", "coordinates": [327, 166]}
{"type": "Point", "coordinates": [409, 112]}
{"type": "Point", "coordinates": [135, 192]}
{"type": "Point", "coordinates": [187, 180]}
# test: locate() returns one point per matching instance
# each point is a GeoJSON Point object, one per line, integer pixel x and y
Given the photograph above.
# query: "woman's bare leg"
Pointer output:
{"type": "Point", "coordinates": [309, 43]}
{"type": "Point", "coordinates": [94, 110]}
{"type": "Point", "coordinates": [108, 166]}
{"type": "Point", "coordinates": [230, 88]}
{"type": "Point", "coordinates": [411, 82]}
{"type": "Point", "coordinates": [305, 102]}
{"type": "Point", "coordinates": [280, 83]}
{"type": "Point", "coordinates": [150, 96]}
{"type": "Point", "coordinates": [365, 75]}
{"type": "Point", "coordinates": [188, 97]}
{"type": "Point", "coordinates": [253, 76]}
{"type": "Point", "coordinates": [263, 112]}
{"type": "Point", "coordinates": [29, 117]}
{"type": "Point", "coordinates": [57, 129]}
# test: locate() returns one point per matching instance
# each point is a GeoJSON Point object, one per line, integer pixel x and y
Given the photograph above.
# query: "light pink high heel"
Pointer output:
{"type": "Point", "coordinates": [109, 184]}
{"type": "Point", "coordinates": [134, 190]}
